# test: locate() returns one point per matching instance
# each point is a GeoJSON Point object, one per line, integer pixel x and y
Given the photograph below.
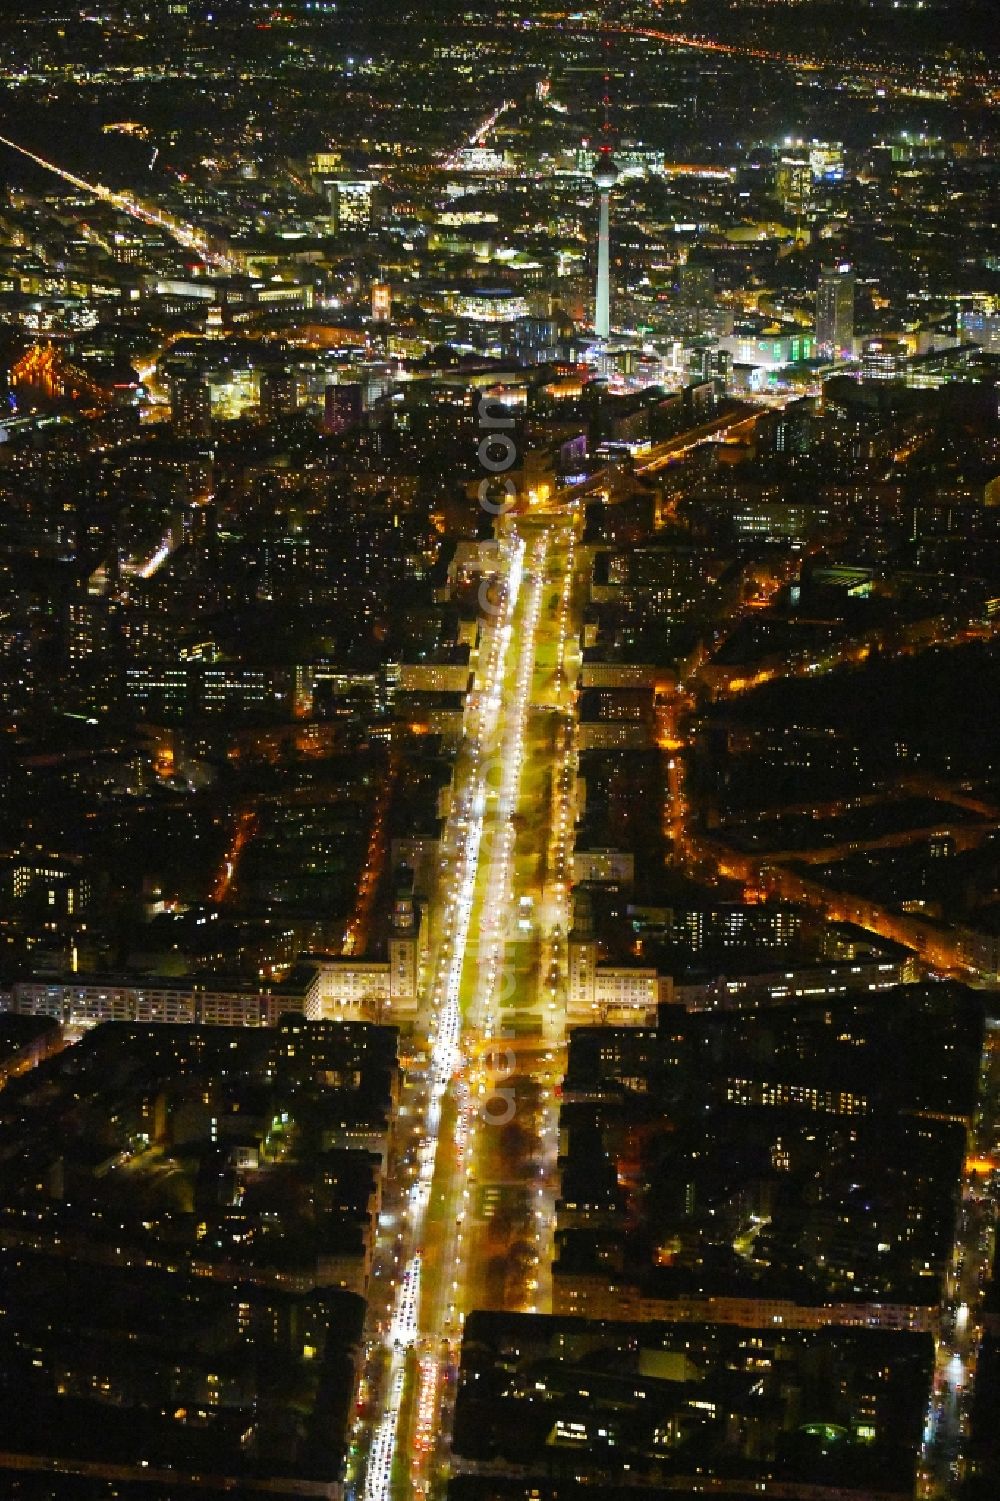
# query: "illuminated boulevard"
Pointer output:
{"type": "Point", "coordinates": [469, 1211]}
{"type": "Point", "coordinates": [187, 235]}
{"type": "Point", "coordinates": [468, 1219]}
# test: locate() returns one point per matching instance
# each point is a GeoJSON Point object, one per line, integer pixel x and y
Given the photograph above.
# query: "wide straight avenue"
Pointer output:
{"type": "Point", "coordinates": [468, 1219]}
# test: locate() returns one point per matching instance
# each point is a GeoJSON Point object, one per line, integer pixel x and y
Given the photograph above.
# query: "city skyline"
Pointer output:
{"type": "Point", "coordinates": [500, 799]}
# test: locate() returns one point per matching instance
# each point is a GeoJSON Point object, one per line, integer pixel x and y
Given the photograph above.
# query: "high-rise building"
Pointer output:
{"type": "Point", "coordinates": [707, 362]}
{"type": "Point", "coordinates": [381, 302]}
{"type": "Point", "coordinates": [793, 179]}
{"type": "Point", "coordinates": [278, 394]}
{"type": "Point", "coordinates": [696, 285]}
{"type": "Point", "coordinates": [88, 636]}
{"type": "Point", "coordinates": [342, 408]}
{"type": "Point", "coordinates": [190, 405]}
{"type": "Point", "coordinates": [695, 297]}
{"type": "Point", "coordinates": [885, 359]}
{"type": "Point", "coordinates": [353, 204]}
{"type": "Point", "coordinates": [835, 313]}
{"type": "Point", "coordinates": [980, 327]}
{"type": "Point", "coordinates": [323, 162]}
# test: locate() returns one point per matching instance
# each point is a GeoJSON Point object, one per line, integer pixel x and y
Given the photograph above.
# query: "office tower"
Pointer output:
{"type": "Point", "coordinates": [978, 326]}
{"type": "Point", "coordinates": [190, 405]}
{"type": "Point", "coordinates": [793, 180]}
{"type": "Point", "coordinates": [885, 359]}
{"type": "Point", "coordinates": [696, 285]}
{"type": "Point", "coordinates": [353, 204]}
{"type": "Point", "coordinates": [381, 302]}
{"type": "Point", "coordinates": [835, 313]}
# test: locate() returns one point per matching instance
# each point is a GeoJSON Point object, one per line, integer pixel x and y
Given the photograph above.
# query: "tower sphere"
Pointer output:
{"type": "Point", "coordinates": [605, 172]}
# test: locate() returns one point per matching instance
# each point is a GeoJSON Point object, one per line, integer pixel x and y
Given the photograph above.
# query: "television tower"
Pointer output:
{"type": "Point", "coordinates": [605, 177]}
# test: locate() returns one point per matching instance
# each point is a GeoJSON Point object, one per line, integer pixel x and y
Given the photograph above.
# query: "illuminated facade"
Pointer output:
{"type": "Point", "coordinates": [835, 313]}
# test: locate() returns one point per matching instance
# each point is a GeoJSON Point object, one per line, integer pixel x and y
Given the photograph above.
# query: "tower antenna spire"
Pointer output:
{"type": "Point", "coordinates": [605, 177]}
